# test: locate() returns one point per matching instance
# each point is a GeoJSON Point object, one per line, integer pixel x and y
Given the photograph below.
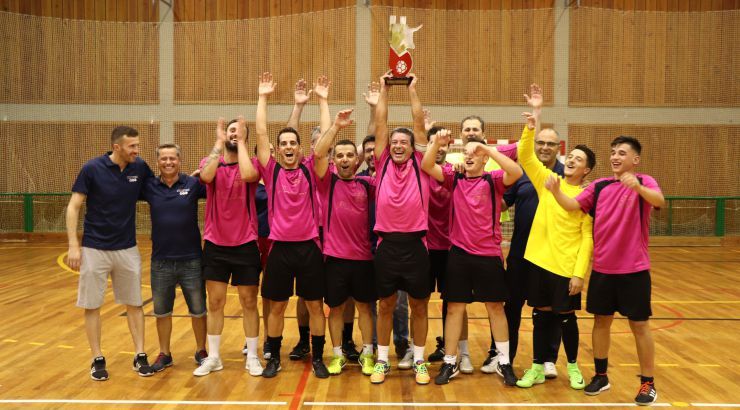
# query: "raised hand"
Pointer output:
{"type": "Point", "coordinates": [241, 129]}
{"type": "Point", "coordinates": [442, 137]}
{"type": "Point", "coordinates": [629, 180]}
{"type": "Point", "coordinates": [459, 167]}
{"type": "Point", "coordinates": [476, 148]}
{"type": "Point", "coordinates": [267, 85]}
{"type": "Point", "coordinates": [372, 94]}
{"type": "Point", "coordinates": [300, 95]}
{"type": "Point", "coordinates": [535, 99]}
{"type": "Point", "coordinates": [383, 77]}
{"type": "Point", "coordinates": [412, 84]}
{"type": "Point", "coordinates": [552, 183]}
{"type": "Point", "coordinates": [428, 122]}
{"type": "Point", "coordinates": [342, 119]}
{"type": "Point", "coordinates": [321, 87]}
{"type": "Point", "coordinates": [221, 131]}
{"type": "Point", "coordinates": [531, 119]}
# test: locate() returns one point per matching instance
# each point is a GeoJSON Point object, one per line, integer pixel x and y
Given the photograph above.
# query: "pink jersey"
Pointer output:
{"type": "Point", "coordinates": [440, 194]}
{"type": "Point", "coordinates": [474, 221]}
{"type": "Point", "coordinates": [621, 229]}
{"type": "Point", "coordinates": [510, 150]}
{"type": "Point", "coordinates": [346, 216]}
{"type": "Point", "coordinates": [402, 196]}
{"type": "Point", "coordinates": [231, 215]}
{"type": "Point", "coordinates": [292, 210]}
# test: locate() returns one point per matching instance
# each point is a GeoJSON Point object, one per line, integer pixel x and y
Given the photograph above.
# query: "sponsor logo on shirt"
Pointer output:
{"type": "Point", "coordinates": [183, 191]}
{"type": "Point", "coordinates": [133, 178]}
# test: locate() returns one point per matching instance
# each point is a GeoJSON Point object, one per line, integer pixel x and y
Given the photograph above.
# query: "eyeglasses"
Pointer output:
{"type": "Point", "coordinates": [549, 144]}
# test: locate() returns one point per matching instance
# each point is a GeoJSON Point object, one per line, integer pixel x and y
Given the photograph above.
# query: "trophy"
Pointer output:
{"type": "Point", "coordinates": [401, 39]}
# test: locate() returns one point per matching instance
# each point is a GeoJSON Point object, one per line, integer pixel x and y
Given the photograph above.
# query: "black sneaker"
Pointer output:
{"type": "Point", "coordinates": [507, 372]}
{"type": "Point", "coordinates": [300, 351]}
{"type": "Point", "coordinates": [163, 360]}
{"type": "Point", "coordinates": [266, 351]}
{"type": "Point", "coordinates": [350, 352]}
{"type": "Point", "coordinates": [97, 369]}
{"type": "Point", "coordinates": [598, 384]}
{"type": "Point", "coordinates": [319, 369]}
{"type": "Point", "coordinates": [439, 353]}
{"type": "Point", "coordinates": [446, 372]}
{"type": "Point", "coordinates": [141, 365]}
{"type": "Point", "coordinates": [401, 348]}
{"type": "Point", "coordinates": [199, 356]}
{"type": "Point", "coordinates": [272, 368]}
{"type": "Point", "coordinates": [647, 394]}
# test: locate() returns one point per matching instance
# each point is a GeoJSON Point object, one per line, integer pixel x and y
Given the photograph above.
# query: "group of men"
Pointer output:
{"type": "Point", "coordinates": [411, 224]}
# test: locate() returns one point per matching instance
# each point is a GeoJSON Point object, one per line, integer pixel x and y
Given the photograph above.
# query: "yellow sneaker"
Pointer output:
{"type": "Point", "coordinates": [422, 375]}
{"type": "Point", "coordinates": [336, 365]}
{"type": "Point", "coordinates": [367, 361]}
{"type": "Point", "coordinates": [379, 371]}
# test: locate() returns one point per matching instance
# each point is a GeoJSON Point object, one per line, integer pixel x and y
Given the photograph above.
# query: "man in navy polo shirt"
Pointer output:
{"type": "Point", "coordinates": [110, 184]}
{"type": "Point", "coordinates": [176, 254]}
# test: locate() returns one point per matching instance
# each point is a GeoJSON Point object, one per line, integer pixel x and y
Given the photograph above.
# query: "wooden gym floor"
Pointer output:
{"type": "Point", "coordinates": [44, 356]}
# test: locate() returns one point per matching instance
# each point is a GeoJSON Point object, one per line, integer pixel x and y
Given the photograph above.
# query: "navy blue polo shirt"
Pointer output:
{"type": "Point", "coordinates": [174, 211]}
{"type": "Point", "coordinates": [260, 201]}
{"type": "Point", "coordinates": [524, 197]}
{"type": "Point", "coordinates": [110, 219]}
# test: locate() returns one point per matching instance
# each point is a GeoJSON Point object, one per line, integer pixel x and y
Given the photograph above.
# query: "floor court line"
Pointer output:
{"type": "Point", "coordinates": [445, 404]}
{"type": "Point", "coordinates": [130, 402]}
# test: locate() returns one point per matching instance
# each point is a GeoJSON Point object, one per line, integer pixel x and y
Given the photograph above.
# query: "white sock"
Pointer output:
{"type": "Point", "coordinates": [214, 341]}
{"type": "Point", "coordinates": [252, 343]}
{"type": "Point", "coordinates": [450, 359]}
{"type": "Point", "coordinates": [337, 351]}
{"type": "Point", "coordinates": [367, 349]}
{"type": "Point", "coordinates": [462, 346]}
{"type": "Point", "coordinates": [503, 352]}
{"type": "Point", "coordinates": [383, 353]}
{"type": "Point", "coordinates": [418, 353]}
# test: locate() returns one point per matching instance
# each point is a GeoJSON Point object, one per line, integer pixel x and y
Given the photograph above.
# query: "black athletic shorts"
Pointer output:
{"type": "Point", "coordinates": [437, 268]}
{"type": "Point", "coordinates": [346, 277]}
{"type": "Point", "coordinates": [517, 279]}
{"type": "Point", "coordinates": [402, 263]}
{"type": "Point", "coordinates": [473, 278]}
{"type": "Point", "coordinates": [547, 289]}
{"type": "Point", "coordinates": [628, 294]}
{"type": "Point", "coordinates": [241, 263]}
{"type": "Point", "coordinates": [299, 261]}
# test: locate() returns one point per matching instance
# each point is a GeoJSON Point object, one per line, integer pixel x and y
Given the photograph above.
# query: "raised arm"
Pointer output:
{"type": "Point", "coordinates": [553, 185]}
{"type": "Point", "coordinates": [417, 113]}
{"type": "Point", "coordinates": [512, 171]}
{"type": "Point", "coordinates": [381, 118]}
{"type": "Point", "coordinates": [74, 253]}
{"type": "Point", "coordinates": [320, 151]}
{"type": "Point", "coordinates": [301, 97]}
{"type": "Point", "coordinates": [246, 168]}
{"type": "Point", "coordinates": [428, 163]}
{"type": "Point", "coordinates": [266, 87]}
{"type": "Point", "coordinates": [208, 170]}
{"type": "Point", "coordinates": [653, 197]}
{"type": "Point", "coordinates": [535, 100]}
{"type": "Point", "coordinates": [371, 98]}
{"type": "Point", "coordinates": [321, 89]}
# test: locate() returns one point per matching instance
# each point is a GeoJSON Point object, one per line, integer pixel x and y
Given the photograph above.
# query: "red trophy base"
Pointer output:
{"type": "Point", "coordinates": [400, 66]}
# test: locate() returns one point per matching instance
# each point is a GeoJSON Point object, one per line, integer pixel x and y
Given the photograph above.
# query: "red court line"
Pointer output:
{"type": "Point", "coordinates": [298, 394]}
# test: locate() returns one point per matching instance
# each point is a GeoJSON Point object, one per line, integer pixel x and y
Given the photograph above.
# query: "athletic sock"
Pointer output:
{"type": "Point", "coordinates": [214, 342]}
{"type": "Point", "coordinates": [462, 347]}
{"type": "Point", "coordinates": [367, 349]}
{"type": "Point", "coordinates": [450, 359]}
{"type": "Point", "coordinates": [275, 344]}
{"type": "Point", "coordinates": [418, 353]}
{"type": "Point", "coordinates": [383, 353]}
{"type": "Point", "coordinates": [317, 346]}
{"type": "Point", "coordinates": [337, 351]}
{"type": "Point", "coordinates": [541, 321]}
{"type": "Point", "coordinates": [252, 343]}
{"type": "Point", "coordinates": [569, 328]}
{"type": "Point", "coordinates": [601, 365]}
{"type": "Point", "coordinates": [503, 352]}
{"type": "Point", "coordinates": [304, 332]}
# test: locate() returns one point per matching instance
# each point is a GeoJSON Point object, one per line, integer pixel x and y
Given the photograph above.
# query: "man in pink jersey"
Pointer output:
{"type": "Point", "coordinates": [620, 279]}
{"type": "Point", "coordinates": [401, 259]}
{"type": "Point", "coordinates": [475, 270]}
{"type": "Point", "coordinates": [349, 267]}
{"type": "Point", "coordinates": [230, 235]}
{"type": "Point", "coordinates": [293, 218]}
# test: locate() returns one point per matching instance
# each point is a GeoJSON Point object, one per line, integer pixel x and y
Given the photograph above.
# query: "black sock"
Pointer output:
{"type": "Point", "coordinates": [275, 343]}
{"type": "Point", "coordinates": [645, 379]}
{"type": "Point", "coordinates": [601, 365]}
{"type": "Point", "coordinates": [303, 332]}
{"type": "Point", "coordinates": [541, 320]}
{"type": "Point", "coordinates": [317, 346]}
{"type": "Point", "coordinates": [569, 328]}
{"type": "Point", "coordinates": [444, 320]}
{"type": "Point", "coordinates": [347, 332]}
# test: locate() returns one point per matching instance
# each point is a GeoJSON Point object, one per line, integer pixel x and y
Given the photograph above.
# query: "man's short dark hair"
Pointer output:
{"type": "Point", "coordinates": [287, 130]}
{"type": "Point", "coordinates": [475, 117]}
{"type": "Point", "coordinates": [631, 141]}
{"type": "Point", "coordinates": [403, 130]}
{"type": "Point", "coordinates": [345, 142]}
{"type": "Point", "coordinates": [168, 146]}
{"type": "Point", "coordinates": [590, 156]}
{"type": "Point", "coordinates": [369, 138]}
{"type": "Point", "coordinates": [235, 120]}
{"type": "Point", "coordinates": [122, 131]}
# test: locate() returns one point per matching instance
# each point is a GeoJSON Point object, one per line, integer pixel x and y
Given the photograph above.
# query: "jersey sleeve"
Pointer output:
{"type": "Point", "coordinates": [586, 198]}
{"type": "Point", "coordinates": [83, 182]}
{"type": "Point", "coordinates": [586, 250]}
{"type": "Point", "coordinates": [535, 170]}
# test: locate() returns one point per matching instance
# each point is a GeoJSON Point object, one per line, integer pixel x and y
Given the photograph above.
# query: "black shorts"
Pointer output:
{"type": "Point", "coordinates": [345, 278]}
{"type": "Point", "coordinates": [241, 263]}
{"type": "Point", "coordinates": [299, 261]}
{"type": "Point", "coordinates": [474, 278]}
{"type": "Point", "coordinates": [547, 289]}
{"type": "Point", "coordinates": [437, 268]}
{"type": "Point", "coordinates": [402, 263]}
{"type": "Point", "coordinates": [628, 294]}
{"type": "Point", "coordinates": [517, 279]}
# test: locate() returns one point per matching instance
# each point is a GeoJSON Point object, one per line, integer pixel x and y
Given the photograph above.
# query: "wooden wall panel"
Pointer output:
{"type": "Point", "coordinates": [214, 10]}
{"type": "Point", "coordinates": [663, 5]}
{"type": "Point", "coordinates": [467, 4]}
{"type": "Point", "coordinates": [219, 62]}
{"type": "Point", "coordinates": [47, 156]}
{"type": "Point", "coordinates": [80, 62]}
{"type": "Point", "coordinates": [654, 58]}
{"type": "Point", "coordinates": [696, 160]}
{"type": "Point", "coordinates": [472, 57]}
{"type": "Point", "coordinates": [110, 10]}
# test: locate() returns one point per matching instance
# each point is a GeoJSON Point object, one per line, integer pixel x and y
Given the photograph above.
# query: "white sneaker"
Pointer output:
{"type": "Point", "coordinates": [209, 364]}
{"type": "Point", "coordinates": [550, 371]}
{"type": "Point", "coordinates": [490, 364]}
{"type": "Point", "coordinates": [408, 360]}
{"type": "Point", "coordinates": [466, 366]}
{"type": "Point", "coordinates": [254, 366]}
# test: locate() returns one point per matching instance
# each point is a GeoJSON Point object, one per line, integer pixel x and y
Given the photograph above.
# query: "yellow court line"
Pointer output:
{"type": "Point", "coordinates": [65, 347]}
{"type": "Point", "coordinates": [127, 353]}
{"type": "Point", "coordinates": [36, 343]}
{"type": "Point", "coordinates": [709, 365]}
{"type": "Point", "coordinates": [668, 364]}
{"type": "Point", "coordinates": [629, 364]}
{"type": "Point", "coordinates": [10, 341]}
{"type": "Point", "coordinates": [697, 302]}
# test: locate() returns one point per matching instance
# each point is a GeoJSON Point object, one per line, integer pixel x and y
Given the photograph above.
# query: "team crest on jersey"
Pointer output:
{"type": "Point", "coordinates": [133, 178]}
{"type": "Point", "coordinates": [183, 191]}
